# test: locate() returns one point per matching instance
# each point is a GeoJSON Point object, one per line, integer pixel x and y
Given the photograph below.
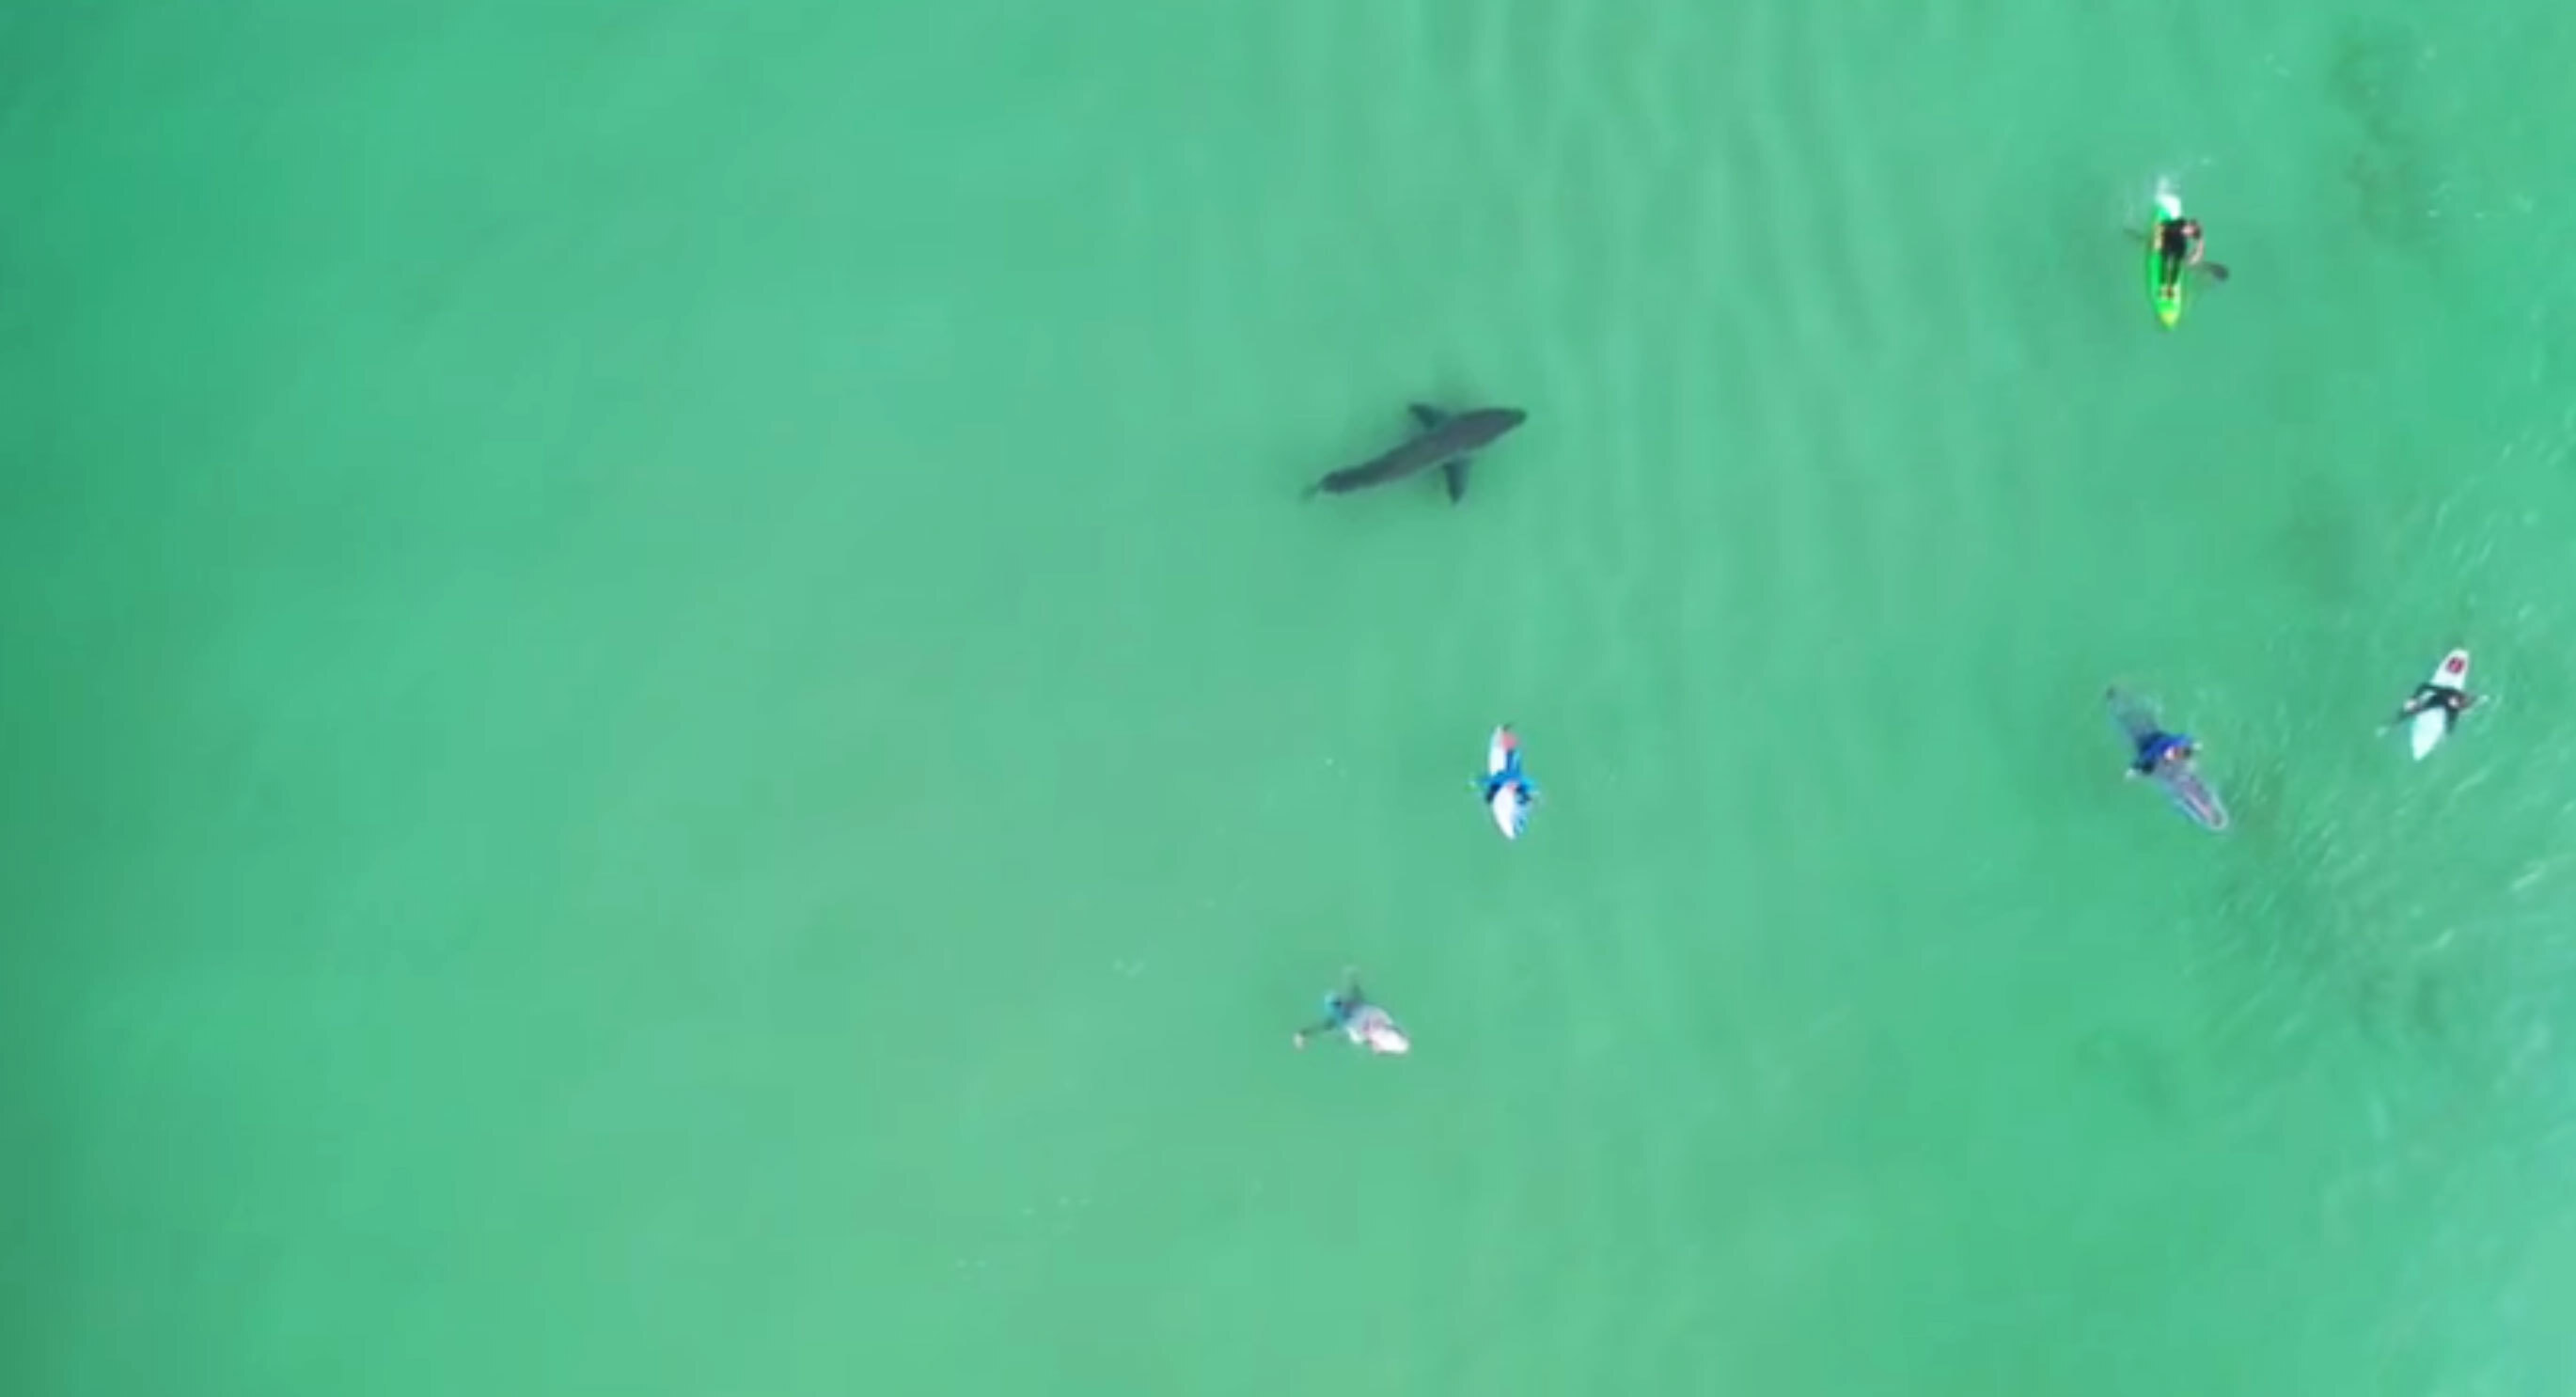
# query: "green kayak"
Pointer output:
{"type": "Point", "coordinates": [2166, 295]}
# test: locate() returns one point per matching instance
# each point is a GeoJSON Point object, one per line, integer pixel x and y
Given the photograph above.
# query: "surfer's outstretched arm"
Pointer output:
{"type": "Point", "coordinates": [2148, 753]}
{"type": "Point", "coordinates": [1313, 1030]}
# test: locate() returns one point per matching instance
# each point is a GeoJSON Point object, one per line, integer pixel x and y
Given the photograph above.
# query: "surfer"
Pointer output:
{"type": "Point", "coordinates": [2430, 713]}
{"type": "Point", "coordinates": [1506, 789]}
{"type": "Point", "coordinates": [2451, 700]}
{"type": "Point", "coordinates": [2158, 749]}
{"type": "Point", "coordinates": [1347, 1011]}
{"type": "Point", "coordinates": [2166, 756]}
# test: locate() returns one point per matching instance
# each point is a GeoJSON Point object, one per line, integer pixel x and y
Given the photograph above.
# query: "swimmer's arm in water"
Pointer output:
{"type": "Point", "coordinates": [1311, 1030]}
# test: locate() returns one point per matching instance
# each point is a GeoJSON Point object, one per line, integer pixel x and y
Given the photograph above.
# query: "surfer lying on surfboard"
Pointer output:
{"type": "Point", "coordinates": [1348, 1012]}
{"type": "Point", "coordinates": [2443, 691]}
{"type": "Point", "coordinates": [2452, 701]}
{"type": "Point", "coordinates": [2159, 749]}
{"type": "Point", "coordinates": [1506, 790]}
{"type": "Point", "coordinates": [2157, 752]}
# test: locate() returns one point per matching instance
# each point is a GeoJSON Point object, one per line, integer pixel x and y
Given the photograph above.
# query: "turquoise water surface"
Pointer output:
{"type": "Point", "coordinates": [676, 728]}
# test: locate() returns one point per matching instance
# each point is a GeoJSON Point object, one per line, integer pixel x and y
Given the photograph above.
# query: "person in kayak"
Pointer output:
{"type": "Point", "coordinates": [2179, 244]}
{"type": "Point", "coordinates": [1347, 1011]}
{"type": "Point", "coordinates": [2158, 750]}
{"type": "Point", "coordinates": [2453, 702]}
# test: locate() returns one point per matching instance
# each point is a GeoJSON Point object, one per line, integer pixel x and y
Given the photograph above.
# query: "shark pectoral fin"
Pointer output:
{"type": "Point", "coordinates": [1455, 472]}
{"type": "Point", "coordinates": [1430, 417]}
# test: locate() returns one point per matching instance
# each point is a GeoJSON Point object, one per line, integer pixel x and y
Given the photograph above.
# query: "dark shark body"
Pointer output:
{"type": "Point", "coordinates": [1444, 441]}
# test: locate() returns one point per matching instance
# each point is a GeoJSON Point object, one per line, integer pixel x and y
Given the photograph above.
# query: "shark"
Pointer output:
{"type": "Point", "coordinates": [1444, 439]}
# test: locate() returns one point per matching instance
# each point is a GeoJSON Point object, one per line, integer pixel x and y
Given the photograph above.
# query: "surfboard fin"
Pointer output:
{"type": "Point", "coordinates": [1455, 472]}
{"type": "Point", "coordinates": [1430, 417]}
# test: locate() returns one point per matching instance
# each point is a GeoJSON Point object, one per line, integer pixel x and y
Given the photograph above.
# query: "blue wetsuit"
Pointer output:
{"type": "Point", "coordinates": [1339, 1012]}
{"type": "Point", "coordinates": [1511, 775]}
{"type": "Point", "coordinates": [2154, 747]}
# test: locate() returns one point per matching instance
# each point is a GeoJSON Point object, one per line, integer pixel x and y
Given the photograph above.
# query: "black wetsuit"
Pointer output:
{"type": "Point", "coordinates": [2452, 702]}
{"type": "Point", "coordinates": [2174, 245]}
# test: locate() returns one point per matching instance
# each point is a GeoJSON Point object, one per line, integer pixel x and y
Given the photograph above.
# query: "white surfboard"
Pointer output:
{"type": "Point", "coordinates": [1511, 812]}
{"type": "Point", "coordinates": [1372, 1029]}
{"type": "Point", "coordinates": [2425, 730]}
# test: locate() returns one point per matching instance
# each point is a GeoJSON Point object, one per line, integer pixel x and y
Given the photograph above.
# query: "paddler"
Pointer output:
{"type": "Point", "coordinates": [1347, 1011]}
{"type": "Point", "coordinates": [2179, 244]}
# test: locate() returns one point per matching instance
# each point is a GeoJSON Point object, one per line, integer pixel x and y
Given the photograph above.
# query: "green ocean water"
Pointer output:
{"type": "Point", "coordinates": [674, 728]}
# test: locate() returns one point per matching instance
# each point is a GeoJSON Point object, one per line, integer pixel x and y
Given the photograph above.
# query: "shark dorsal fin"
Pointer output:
{"type": "Point", "coordinates": [1430, 417]}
